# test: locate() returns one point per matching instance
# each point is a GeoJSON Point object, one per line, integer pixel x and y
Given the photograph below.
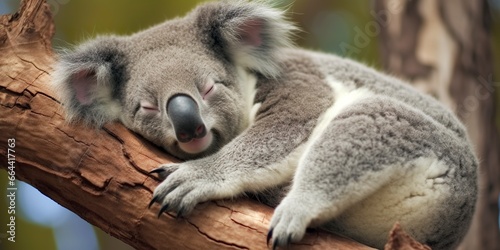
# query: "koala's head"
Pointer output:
{"type": "Point", "coordinates": [179, 84]}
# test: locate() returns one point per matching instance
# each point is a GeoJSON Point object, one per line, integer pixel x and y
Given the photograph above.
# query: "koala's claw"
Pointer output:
{"type": "Point", "coordinates": [163, 209]}
{"type": "Point", "coordinates": [157, 170]}
{"type": "Point", "coordinates": [280, 243]}
{"type": "Point", "coordinates": [276, 243]}
{"type": "Point", "coordinates": [269, 235]}
{"type": "Point", "coordinates": [180, 213]}
{"type": "Point", "coordinates": [155, 198]}
{"type": "Point", "coordinates": [165, 170]}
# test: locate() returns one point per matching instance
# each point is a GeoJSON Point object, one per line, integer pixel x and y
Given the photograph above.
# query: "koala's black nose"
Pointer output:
{"type": "Point", "coordinates": [185, 116]}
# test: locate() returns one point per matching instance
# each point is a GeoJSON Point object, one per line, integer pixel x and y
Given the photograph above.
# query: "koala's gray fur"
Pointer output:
{"type": "Point", "coordinates": [360, 150]}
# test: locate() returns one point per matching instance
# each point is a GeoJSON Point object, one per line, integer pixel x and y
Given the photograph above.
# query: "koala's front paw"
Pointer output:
{"type": "Point", "coordinates": [185, 186]}
{"type": "Point", "coordinates": [289, 222]}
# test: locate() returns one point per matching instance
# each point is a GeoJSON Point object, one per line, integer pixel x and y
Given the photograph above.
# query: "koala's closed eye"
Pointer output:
{"type": "Point", "coordinates": [207, 87]}
{"type": "Point", "coordinates": [149, 107]}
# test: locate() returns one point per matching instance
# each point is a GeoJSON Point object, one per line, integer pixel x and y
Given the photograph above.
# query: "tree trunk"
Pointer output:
{"type": "Point", "coordinates": [102, 175]}
{"type": "Point", "coordinates": [444, 48]}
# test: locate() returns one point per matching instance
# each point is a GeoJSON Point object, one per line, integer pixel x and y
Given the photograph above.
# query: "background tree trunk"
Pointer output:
{"type": "Point", "coordinates": [444, 48]}
{"type": "Point", "coordinates": [102, 175]}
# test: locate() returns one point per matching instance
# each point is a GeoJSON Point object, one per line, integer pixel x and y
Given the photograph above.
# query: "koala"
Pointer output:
{"type": "Point", "coordinates": [330, 142]}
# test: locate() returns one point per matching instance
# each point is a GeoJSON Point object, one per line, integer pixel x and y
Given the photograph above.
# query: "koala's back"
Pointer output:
{"type": "Point", "coordinates": [354, 75]}
{"type": "Point", "coordinates": [426, 146]}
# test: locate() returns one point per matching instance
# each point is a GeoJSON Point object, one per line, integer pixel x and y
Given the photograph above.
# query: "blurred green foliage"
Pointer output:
{"type": "Point", "coordinates": [77, 19]}
{"type": "Point", "coordinates": [325, 24]}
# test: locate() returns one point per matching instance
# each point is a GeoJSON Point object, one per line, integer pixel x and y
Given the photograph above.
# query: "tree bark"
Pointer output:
{"type": "Point", "coordinates": [102, 175]}
{"type": "Point", "coordinates": [444, 48]}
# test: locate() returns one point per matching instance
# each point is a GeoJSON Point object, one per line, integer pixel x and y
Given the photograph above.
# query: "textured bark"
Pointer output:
{"type": "Point", "coordinates": [400, 240]}
{"type": "Point", "coordinates": [444, 48]}
{"type": "Point", "coordinates": [102, 175]}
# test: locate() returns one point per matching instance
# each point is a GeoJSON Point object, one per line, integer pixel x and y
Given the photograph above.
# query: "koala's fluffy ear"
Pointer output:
{"type": "Point", "coordinates": [88, 81]}
{"type": "Point", "coordinates": [247, 33]}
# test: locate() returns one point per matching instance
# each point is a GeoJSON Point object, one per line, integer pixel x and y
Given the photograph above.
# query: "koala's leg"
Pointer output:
{"type": "Point", "coordinates": [378, 162]}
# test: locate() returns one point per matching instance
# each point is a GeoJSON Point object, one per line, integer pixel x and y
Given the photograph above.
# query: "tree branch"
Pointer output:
{"type": "Point", "coordinates": [102, 175]}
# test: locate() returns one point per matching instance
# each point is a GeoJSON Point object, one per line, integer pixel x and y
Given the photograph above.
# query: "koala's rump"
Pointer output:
{"type": "Point", "coordinates": [429, 173]}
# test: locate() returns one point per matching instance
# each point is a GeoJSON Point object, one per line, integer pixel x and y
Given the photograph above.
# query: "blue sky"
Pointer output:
{"type": "Point", "coordinates": [4, 9]}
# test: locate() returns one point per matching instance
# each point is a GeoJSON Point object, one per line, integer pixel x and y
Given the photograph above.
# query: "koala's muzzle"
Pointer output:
{"type": "Point", "coordinates": [185, 117]}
